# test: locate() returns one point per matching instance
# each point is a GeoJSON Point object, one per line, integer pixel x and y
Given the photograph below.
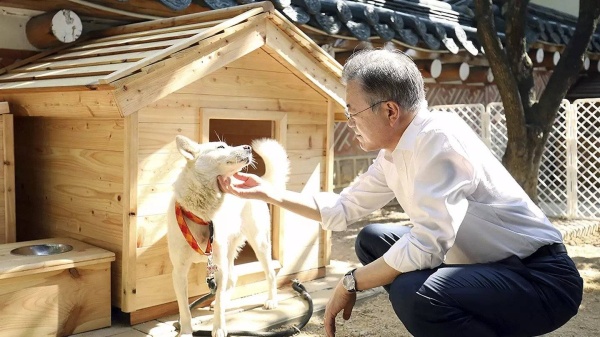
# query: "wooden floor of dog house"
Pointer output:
{"type": "Point", "coordinates": [245, 313]}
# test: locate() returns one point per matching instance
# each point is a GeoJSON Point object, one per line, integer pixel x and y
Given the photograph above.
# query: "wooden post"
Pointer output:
{"type": "Point", "coordinates": [595, 65]}
{"type": "Point", "coordinates": [7, 197]}
{"type": "Point", "coordinates": [555, 58]}
{"type": "Point", "coordinates": [536, 56]}
{"type": "Point", "coordinates": [454, 72]}
{"type": "Point", "coordinates": [586, 63]}
{"type": "Point", "coordinates": [52, 29]}
{"type": "Point", "coordinates": [541, 59]}
{"type": "Point", "coordinates": [424, 67]}
{"type": "Point", "coordinates": [478, 75]}
{"type": "Point", "coordinates": [490, 75]}
{"type": "Point", "coordinates": [435, 68]}
{"type": "Point", "coordinates": [39, 31]}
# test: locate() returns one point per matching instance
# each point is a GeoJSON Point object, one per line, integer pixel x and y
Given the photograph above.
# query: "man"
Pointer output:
{"type": "Point", "coordinates": [480, 259]}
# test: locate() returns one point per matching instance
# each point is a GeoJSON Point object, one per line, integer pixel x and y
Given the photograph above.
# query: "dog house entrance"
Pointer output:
{"type": "Point", "coordinates": [241, 132]}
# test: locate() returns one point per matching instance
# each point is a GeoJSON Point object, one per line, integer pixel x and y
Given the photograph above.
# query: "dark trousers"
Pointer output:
{"type": "Point", "coordinates": [511, 297]}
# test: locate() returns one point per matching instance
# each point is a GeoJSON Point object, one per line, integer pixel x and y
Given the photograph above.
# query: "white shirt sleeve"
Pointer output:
{"type": "Point", "coordinates": [366, 194]}
{"type": "Point", "coordinates": [443, 177]}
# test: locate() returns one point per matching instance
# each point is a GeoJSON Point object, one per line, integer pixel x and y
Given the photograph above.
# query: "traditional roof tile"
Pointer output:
{"type": "Point", "coordinates": [441, 26]}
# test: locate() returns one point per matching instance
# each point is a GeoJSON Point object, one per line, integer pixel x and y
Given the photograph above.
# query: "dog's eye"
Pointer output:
{"type": "Point", "coordinates": [220, 147]}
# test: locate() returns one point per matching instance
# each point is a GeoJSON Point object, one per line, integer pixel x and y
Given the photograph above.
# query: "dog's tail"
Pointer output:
{"type": "Point", "coordinates": [277, 164]}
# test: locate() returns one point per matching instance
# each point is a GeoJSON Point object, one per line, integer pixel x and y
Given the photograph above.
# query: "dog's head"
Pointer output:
{"type": "Point", "coordinates": [215, 158]}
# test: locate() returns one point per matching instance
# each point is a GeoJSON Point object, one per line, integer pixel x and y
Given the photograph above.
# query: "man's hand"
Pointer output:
{"type": "Point", "coordinates": [341, 299]}
{"type": "Point", "coordinates": [248, 186]}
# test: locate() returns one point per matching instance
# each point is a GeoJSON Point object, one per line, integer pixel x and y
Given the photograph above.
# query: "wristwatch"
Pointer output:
{"type": "Point", "coordinates": [349, 282]}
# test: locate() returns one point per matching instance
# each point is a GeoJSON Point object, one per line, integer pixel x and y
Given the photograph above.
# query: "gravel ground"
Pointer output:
{"type": "Point", "coordinates": [374, 317]}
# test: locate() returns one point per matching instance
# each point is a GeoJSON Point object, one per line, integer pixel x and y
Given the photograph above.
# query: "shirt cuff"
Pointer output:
{"type": "Point", "coordinates": [332, 212]}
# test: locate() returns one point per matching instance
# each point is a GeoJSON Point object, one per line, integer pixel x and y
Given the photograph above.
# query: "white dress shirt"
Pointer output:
{"type": "Point", "coordinates": [464, 205]}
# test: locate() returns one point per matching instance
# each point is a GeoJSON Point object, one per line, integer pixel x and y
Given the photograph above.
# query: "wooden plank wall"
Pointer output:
{"type": "Point", "coordinates": [69, 178]}
{"type": "Point", "coordinates": [253, 82]}
{"type": "Point", "coordinates": [7, 177]}
{"type": "Point", "coordinates": [3, 225]}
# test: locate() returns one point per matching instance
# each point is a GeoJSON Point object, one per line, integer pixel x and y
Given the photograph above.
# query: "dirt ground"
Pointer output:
{"type": "Point", "coordinates": [374, 316]}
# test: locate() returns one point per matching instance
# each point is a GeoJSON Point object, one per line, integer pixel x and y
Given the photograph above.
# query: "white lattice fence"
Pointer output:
{"type": "Point", "coordinates": [586, 179]}
{"type": "Point", "coordinates": [347, 168]}
{"type": "Point", "coordinates": [553, 190]}
{"type": "Point", "coordinates": [497, 127]}
{"type": "Point", "coordinates": [569, 179]}
{"type": "Point", "coordinates": [473, 114]}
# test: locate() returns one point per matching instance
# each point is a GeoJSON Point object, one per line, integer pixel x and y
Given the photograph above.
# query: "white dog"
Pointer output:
{"type": "Point", "coordinates": [235, 220]}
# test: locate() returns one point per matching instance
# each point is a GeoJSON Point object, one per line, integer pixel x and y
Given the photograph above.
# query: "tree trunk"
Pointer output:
{"type": "Point", "coordinates": [523, 159]}
{"type": "Point", "coordinates": [528, 121]}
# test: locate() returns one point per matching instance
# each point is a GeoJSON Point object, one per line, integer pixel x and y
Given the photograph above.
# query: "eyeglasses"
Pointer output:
{"type": "Point", "coordinates": [348, 115]}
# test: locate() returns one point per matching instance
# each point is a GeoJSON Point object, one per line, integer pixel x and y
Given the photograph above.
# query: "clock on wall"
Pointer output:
{"type": "Point", "coordinates": [54, 28]}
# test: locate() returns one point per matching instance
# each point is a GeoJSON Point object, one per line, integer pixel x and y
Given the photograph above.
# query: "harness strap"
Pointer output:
{"type": "Point", "coordinates": [187, 234]}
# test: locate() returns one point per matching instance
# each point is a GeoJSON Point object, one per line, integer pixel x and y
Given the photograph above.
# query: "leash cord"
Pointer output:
{"type": "Point", "coordinates": [297, 286]}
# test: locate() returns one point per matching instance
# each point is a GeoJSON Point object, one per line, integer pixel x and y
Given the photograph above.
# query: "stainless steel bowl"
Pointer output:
{"type": "Point", "coordinates": [42, 249]}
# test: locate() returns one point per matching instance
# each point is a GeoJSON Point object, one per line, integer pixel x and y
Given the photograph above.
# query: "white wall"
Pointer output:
{"type": "Point", "coordinates": [566, 6]}
{"type": "Point", "coordinates": [12, 28]}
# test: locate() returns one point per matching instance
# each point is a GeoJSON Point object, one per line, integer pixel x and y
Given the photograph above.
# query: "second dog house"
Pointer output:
{"type": "Point", "coordinates": [95, 127]}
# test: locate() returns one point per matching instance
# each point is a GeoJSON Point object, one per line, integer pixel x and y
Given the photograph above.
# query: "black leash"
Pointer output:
{"type": "Point", "coordinates": [296, 285]}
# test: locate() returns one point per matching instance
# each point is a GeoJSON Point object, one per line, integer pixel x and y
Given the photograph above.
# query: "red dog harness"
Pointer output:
{"type": "Point", "coordinates": [187, 234]}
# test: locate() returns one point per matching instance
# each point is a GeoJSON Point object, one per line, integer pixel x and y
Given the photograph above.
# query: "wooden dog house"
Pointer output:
{"type": "Point", "coordinates": [95, 127]}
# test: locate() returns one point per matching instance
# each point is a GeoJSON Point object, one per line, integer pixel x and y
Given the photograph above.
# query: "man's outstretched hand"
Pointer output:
{"type": "Point", "coordinates": [245, 185]}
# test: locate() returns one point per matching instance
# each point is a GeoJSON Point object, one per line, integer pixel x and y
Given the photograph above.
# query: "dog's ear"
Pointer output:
{"type": "Point", "coordinates": [186, 147]}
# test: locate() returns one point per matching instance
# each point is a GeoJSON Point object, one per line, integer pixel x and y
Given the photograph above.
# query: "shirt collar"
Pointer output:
{"type": "Point", "coordinates": [409, 136]}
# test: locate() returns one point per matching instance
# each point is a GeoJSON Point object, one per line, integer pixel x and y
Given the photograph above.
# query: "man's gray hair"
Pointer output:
{"type": "Point", "coordinates": [386, 75]}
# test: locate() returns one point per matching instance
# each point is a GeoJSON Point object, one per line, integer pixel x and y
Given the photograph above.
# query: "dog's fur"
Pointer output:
{"type": "Point", "coordinates": [235, 219]}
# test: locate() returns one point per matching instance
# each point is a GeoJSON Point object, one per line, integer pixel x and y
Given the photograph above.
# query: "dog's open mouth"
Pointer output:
{"type": "Point", "coordinates": [238, 160]}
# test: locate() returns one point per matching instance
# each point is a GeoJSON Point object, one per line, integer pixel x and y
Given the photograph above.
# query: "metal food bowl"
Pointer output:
{"type": "Point", "coordinates": [43, 249]}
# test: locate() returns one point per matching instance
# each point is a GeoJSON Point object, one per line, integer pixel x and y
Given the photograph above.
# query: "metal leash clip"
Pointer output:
{"type": "Point", "coordinates": [211, 268]}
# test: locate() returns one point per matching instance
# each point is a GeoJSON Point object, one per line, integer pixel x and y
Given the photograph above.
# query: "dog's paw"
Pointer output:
{"type": "Point", "coordinates": [270, 304]}
{"type": "Point", "coordinates": [219, 333]}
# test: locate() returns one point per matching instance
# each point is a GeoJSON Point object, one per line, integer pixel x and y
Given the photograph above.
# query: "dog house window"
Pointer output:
{"type": "Point", "coordinates": [237, 127]}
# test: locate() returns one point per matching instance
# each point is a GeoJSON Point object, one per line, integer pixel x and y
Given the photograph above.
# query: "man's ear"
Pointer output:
{"type": "Point", "coordinates": [186, 147]}
{"type": "Point", "coordinates": [393, 112]}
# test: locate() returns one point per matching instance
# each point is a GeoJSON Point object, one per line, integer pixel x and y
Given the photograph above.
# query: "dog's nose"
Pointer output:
{"type": "Point", "coordinates": [247, 148]}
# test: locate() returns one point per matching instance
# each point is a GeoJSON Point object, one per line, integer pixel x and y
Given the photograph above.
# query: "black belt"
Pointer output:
{"type": "Point", "coordinates": [553, 249]}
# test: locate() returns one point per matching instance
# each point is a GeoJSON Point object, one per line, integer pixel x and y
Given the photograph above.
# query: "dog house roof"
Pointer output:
{"type": "Point", "coordinates": [140, 63]}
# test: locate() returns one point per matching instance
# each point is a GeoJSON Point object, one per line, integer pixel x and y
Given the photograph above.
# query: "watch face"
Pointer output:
{"type": "Point", "coordinates": [348, 282]}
